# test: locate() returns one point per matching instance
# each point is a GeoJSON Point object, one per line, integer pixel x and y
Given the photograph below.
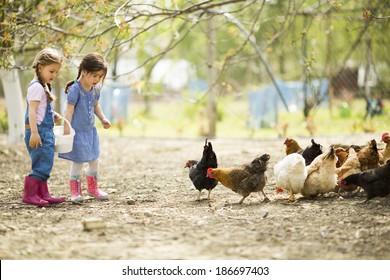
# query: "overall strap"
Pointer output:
{"type": "Point", "coordinates": [33, 82]}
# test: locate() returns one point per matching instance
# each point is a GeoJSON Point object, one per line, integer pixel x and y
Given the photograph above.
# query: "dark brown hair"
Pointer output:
{"type": "Point", "coordinates": [46, 57]}
{"type": "Point", "coordinates": [92, 62]}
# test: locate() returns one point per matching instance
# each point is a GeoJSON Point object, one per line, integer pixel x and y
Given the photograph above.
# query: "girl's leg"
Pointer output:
{"type": "Point", "coordinates": [92, 179]}
{"type": "Point", "coordinates": [75, 181]}
{"type": "Point", "coordinates": [93, 168]}
{"type": "Point", "coordinates": [33, 181]}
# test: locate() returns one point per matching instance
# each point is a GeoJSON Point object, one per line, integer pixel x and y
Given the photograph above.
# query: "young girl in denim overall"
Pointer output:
{"type": "Point", "coordinates": [39, 122]}
{"type": "Point", "coordinates": [82, 105]}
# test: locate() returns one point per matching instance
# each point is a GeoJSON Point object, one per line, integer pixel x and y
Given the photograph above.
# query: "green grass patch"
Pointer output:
{"type": "Point", "coordinates": [181, 118]}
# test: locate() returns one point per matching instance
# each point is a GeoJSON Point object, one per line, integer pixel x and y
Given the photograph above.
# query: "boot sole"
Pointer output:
{"type": "Point", "coordinates": [77, 199]}
{"type": "Point", "coordinates": [99, 198]}
{"type": "Point", "coordinates": [35, 204]}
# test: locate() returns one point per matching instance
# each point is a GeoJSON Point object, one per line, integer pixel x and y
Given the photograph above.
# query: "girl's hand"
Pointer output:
{"type": "Point", "coordinates": [57, 118]}
{"type": "Point", "coordinates": [106, 123]}
{"type": "Point", "coordinates": [35, 140]}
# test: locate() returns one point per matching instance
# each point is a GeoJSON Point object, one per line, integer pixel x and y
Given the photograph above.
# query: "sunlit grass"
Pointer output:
{"type": "Point", "coordinates": [179, 118]}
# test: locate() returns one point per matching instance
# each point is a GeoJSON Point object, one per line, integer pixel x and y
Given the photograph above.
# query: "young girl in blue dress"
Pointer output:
{"type": "Point", "coordinates": [39, 122]}
{"type": "Point", "coordinates": [82, 105]}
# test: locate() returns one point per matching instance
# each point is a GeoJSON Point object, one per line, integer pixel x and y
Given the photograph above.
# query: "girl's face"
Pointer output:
{"type": "Point", "coordinates": [49, 72]}
{"type": "Point", "coordinates": [91, 79]}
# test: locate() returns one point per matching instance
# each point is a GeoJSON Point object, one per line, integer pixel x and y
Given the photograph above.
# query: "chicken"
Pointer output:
{"type": "Point", "coordinates": [386, 151]}
{"type": "Point", "coordinates": [292, 146]}
{"type": "Point", "coordinates": [243, 179]}
{"type": "Point", "coordinates": [198, 170]}
{"type": "Point", "coordinates": [321, 175]}
{"type": "Point", "coordinates": [351, 166]}
{"type": "Point", "coordinates": [357, 148]}
{"type": "Point", "coordinates": [375, 182]}
{"type": "Point", "coordinates": [342, 155]}
{"type": "Point", "coordinates": [290, 174]}
{"type": "Point", "coordinates": [311, 152]}
{"type": "Point", "coordinates": [369, 156]}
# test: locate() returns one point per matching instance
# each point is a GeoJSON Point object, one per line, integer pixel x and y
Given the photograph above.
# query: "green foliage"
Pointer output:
{"type": "Point", "coordinates": [292, 35]}
{"type": "Point", "coordinates": [297, 38]}
{"type": "Point", "coordinates": [193, 108]}
{"type": "Point", "coordinates": [3, 120]}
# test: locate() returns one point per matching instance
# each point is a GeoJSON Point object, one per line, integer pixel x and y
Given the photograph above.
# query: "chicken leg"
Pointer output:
{"type": "Point", "coordinates": [266, 199]}
{"type": "Point", "coordinates": [292, 196]}
{"type": "Point", "coordinates": [242, 200]}
{"type": "Point", "coordinates": [199, 196]}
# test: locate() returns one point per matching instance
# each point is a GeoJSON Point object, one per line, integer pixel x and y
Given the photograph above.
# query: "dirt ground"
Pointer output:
{"type": "Point", "coordinates": [153, 213]}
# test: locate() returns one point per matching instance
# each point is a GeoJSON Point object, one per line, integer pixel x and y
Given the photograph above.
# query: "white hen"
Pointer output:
{"type": "Point", "coordinates": [290, 174]}
{"type": "Point", "coordinates": [321, 175]}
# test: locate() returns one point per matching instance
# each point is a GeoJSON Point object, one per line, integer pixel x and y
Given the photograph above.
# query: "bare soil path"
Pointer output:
{"type": "Point", "coordinates": [153, 213]}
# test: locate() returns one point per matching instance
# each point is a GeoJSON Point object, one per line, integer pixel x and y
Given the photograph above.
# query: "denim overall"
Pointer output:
{"type": "Point", "coordinates": [42, 158]}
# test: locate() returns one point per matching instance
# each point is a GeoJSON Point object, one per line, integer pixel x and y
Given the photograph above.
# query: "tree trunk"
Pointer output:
{"type": "Point", "coordinates": [329, 66]}
{"type": "Point", "coordinates": [57, 90]}
{"type": "Point", "coordinates": [212, 78]}
{"type": "Point", "coordinates": [14, 101]}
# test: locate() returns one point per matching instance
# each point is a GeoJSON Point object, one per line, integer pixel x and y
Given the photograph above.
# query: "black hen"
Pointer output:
{"type": "Point", "coordinates": [198, 170]}
{"type": "Point", "coordinates": [311, 152]}
{"type": "Point", "coordinates": [375, 182]}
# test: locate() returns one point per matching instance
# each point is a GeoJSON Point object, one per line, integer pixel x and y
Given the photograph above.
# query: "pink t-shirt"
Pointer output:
{"type": "Point", "coordinates": [35, 92]}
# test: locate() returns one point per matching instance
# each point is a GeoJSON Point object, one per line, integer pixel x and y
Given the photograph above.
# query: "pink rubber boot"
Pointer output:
{"type": "Point", "coordinates": [44, 194]}
{"type": "Point", "coordinates": [30, 195]}
{"type": "Point", "coordinates": [75, 190]}
{"type": "Point", "coordinates": [93, 188]}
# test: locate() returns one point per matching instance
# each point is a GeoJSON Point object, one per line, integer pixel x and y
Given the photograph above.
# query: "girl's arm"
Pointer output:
{"type": "Point", "coordinates": [99, 113]}
{"type": "Point", "coordinates": [68, 116]}
{"type": "Point", "coordinates": [35, 138]}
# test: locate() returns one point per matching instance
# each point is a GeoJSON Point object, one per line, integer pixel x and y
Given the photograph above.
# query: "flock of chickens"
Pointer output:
{"type": "Point", "coordinates": [310, 171]}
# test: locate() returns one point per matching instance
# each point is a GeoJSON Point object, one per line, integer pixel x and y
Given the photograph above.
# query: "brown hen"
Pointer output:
{"type": "Point", "coordinates": [243, 179]}
{"type": "Point", "coordinates": [292, 146]}
{"type": "Point", "coordinates": [342, 156]}
{"type": "Point", "coordinates": [369, 156]}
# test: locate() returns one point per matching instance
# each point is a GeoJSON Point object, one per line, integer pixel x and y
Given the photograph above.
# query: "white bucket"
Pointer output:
{"type": "Point", "coordinates": [63, 143]}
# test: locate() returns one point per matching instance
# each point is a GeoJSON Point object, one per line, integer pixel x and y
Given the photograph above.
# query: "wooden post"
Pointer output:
{"type": "Point", "coordinates": [367, 78]}
{"type": "Point", "coordinates": [368, 81]}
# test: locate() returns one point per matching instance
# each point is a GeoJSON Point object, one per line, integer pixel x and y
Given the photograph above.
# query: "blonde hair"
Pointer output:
{"type": "Point", "coordinates": [46, 57]}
